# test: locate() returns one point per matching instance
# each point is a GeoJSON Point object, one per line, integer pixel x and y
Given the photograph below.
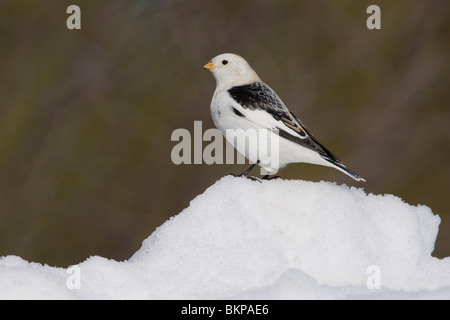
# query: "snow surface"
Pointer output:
{"type": "Point", "coordinates": [278, 239]}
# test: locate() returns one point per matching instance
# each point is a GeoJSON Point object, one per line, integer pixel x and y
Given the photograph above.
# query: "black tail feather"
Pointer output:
{"type": "Point", "coordinates": [339, 165]}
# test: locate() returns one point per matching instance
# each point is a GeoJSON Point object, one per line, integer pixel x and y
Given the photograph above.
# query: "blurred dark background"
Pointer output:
{"type": "Point", "coordinates": [86, 115]}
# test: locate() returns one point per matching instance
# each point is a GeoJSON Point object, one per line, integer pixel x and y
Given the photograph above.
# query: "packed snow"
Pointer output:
{"type": "Point", "coordinates": [277, 239]}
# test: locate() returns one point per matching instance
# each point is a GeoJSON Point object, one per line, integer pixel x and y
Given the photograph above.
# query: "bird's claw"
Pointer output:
{"type": "Point", "coordinates": [266, 177]}
{"type": "Point", "coordinates": [245, 176]}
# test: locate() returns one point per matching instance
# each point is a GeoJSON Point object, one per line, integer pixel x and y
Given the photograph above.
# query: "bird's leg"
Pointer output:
{"type": "Point", "coordinates": [246, 172]}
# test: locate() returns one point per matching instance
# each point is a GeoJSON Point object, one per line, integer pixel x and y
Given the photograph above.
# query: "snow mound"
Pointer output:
{"type": "Point", "coordinates": [277, 239]}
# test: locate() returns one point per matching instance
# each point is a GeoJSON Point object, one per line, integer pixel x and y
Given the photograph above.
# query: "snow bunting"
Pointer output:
{"type": "Point", "coordinates": [242, 101]}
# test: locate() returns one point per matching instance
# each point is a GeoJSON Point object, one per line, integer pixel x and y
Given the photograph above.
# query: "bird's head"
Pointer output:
{"type": "Point", "coordinates": [230, 70]}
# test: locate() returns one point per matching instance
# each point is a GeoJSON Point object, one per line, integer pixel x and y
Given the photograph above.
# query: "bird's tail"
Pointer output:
{"type": "Point", "coordinates": [340, 166]}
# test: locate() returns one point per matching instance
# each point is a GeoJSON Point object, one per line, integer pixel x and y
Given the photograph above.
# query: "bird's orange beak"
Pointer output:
{"type": "Point", "coordinates": [209, 66]}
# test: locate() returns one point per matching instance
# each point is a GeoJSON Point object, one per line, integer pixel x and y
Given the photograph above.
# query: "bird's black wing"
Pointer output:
{"type": "Point", "coordinates": [259, 96]}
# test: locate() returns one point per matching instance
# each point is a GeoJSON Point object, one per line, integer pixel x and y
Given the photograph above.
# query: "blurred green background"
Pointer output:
{"type": "Point", "coordinates": [86, 115]}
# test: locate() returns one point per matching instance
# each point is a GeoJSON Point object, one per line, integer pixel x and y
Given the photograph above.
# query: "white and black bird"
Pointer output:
{"type": "Point", "coordinates": [242, 101]}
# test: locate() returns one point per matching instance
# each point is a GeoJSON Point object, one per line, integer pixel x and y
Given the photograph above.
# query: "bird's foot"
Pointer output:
{"type": "Point", "coordinates": [266, 177]}
{"type": "Point", "coordinates": [245, 176]}
{"type": "Point", "coordinates": [254, 178]}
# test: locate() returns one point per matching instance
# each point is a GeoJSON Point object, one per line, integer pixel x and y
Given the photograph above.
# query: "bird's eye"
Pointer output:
{"type": "Point", "coordinates": [224, 62]}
